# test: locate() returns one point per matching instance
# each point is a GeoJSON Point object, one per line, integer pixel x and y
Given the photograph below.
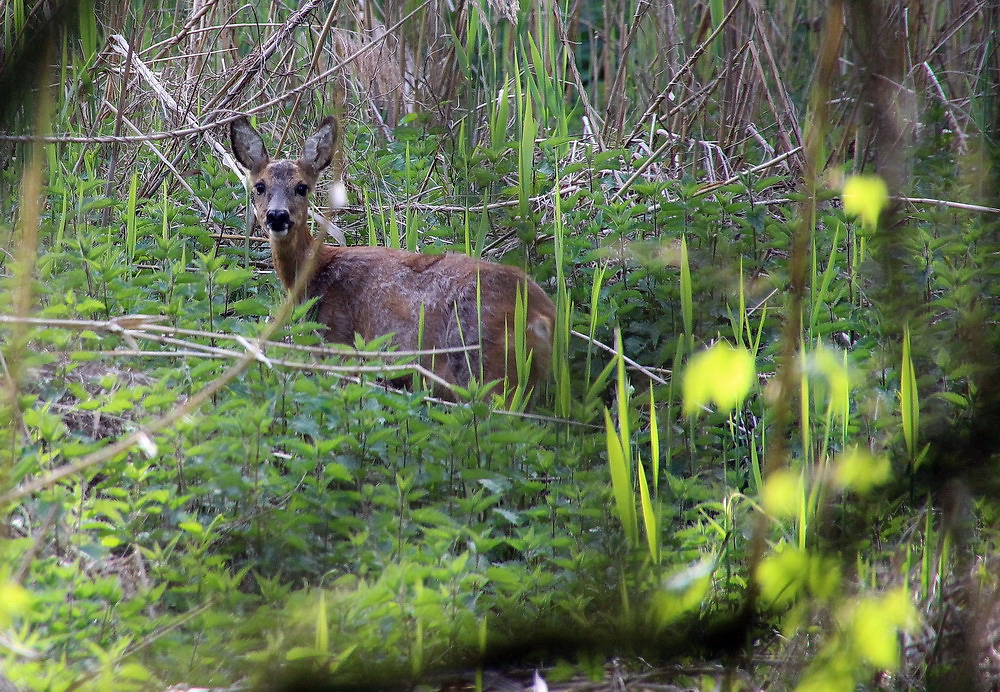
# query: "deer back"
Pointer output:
{"type": "Point", "coordinates": [448, 301]}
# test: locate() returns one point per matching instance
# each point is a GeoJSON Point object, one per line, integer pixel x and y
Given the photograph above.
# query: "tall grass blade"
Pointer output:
{"type": "Point", "coordinates": [165, 209]}
{"type": "Point", "coordinates": [649, 521]}
{"type": "Point", "coordinates": [498, 119]}
{"type": "Point", "coordinates": [370, 223]}
{"type": "Point", "coordinates": [820, 296]}
{"type": "Point", "coordinates": [622, 390]}
{"type": "Point", "coordinates": [322, 626]}
{"type": "Point", "coordinates": [805, 406]}
{"type": "Point", "coordinates": [597, 281]}
{"type": "Point", "coordinates": [909, 400]}
{"type": "Point", "coordinates": [654, 442]}
{"type": "Point", "coordinates": [561, 336]}
{"type": "Point", "coordinates": [621, 481]}
{"type": "Point", "coordinates": [411, 230]}
{"type": "Point", "coordinates": [687, 297]}
{"type": "Point", "coordinates": [130, 225]}
{"type": "Point", "coordinates": [393, 232]}
{"type": "Point", "coordinates": [522, 359]}
{"type": "Point", "coordinates": [526, 158]}
{"type": "Point", "coordinates": [755, 470]}
{"type": "Point", "coordinates": [421, 318]}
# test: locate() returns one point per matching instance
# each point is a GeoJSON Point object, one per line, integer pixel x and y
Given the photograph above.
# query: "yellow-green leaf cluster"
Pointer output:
{"type": "Point", "coordinates": [722, 374]}
{"type": "Point", "coordinates": [875, 623]}
{"type": "Point", "coordinates": [14, 600]}
{"type": "Point", "coordinates": [867, 638]}
{"type": "Point", "coordinates": [860, 471]}
{"type": "Point", "coordinates": [782, 576]}
{"type": "Point", "coordinates": [865, 196]}
{"type": "Point", "coordinates": [790, 573]}
{"type": "Point", "coordinates": [682, 593]}
{"type": "Point", "coordinates": [838, 377]}
{"type": "Point", "coordinates": [783, 493]}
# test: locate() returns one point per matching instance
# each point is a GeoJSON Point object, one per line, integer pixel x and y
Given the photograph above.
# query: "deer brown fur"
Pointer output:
{"type": "Point", "coordinates": [373, 291]}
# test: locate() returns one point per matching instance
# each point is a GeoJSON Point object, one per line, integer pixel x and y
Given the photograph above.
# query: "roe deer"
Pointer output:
{"type": "Point", "coordinates": [428, 302]}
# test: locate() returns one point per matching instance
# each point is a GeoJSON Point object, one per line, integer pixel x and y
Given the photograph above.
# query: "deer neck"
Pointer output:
{"type": "Point", "coordinates": [293, 257]}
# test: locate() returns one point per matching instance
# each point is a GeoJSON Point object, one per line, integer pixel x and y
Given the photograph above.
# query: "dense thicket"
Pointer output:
{"type": "Point", "coordinates": [767, 456]}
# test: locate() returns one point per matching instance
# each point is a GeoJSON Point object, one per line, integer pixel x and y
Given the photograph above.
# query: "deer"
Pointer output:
{"type": "Point", "coordinates": [452, 303]}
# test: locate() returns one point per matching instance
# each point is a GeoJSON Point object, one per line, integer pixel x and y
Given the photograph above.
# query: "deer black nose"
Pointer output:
{"type": "Point", "coordinates": [278, 220]}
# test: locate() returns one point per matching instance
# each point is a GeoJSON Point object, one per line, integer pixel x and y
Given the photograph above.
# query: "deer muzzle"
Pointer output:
{"type": "Point", "coordinates": [278, 222]}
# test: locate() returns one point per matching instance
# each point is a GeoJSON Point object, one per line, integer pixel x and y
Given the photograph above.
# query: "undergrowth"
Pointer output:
{"type": "Point", "coordinates": [764, 458]}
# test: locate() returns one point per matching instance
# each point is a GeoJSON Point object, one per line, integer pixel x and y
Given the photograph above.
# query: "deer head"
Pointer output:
{"type": "Point", "coordinates": [281, 189]}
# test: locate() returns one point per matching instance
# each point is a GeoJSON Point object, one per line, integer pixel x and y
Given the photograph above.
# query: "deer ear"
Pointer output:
{"type": "Point", "coordinates": [318, 151]}
{"type": "Point", "coordinates": [248, 147]}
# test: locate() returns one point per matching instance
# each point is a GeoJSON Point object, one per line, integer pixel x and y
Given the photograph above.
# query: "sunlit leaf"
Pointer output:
{"type": "Point", "coordinates": [875, 635]}
{"type": "Point", "coordinates": [898, 607]}
{"type": "Point", "coordinates": [322, 626]}
{"type": "Point", "coordinates": [909, 397]}
{"type": "Point", "coordinates": [835, 371]}
{"type": "Point", "coordinates": [14, 600]}
{"type": "Point", "coordinates": [621, 481]}
{"type": "Point", "coordinates": [865, 196]}
{"type": "Point", "coordinates": [860, 470]}
{"type": "Point", "coordinates": [783, 493]}
{"type": "Point", "coordinates": [648, 515]}
{"type": "Point", "coordinates": [682, 592]}
{"type": "Point", "coordinates": [783, 576]}
{"type": "Point", "coordinates": [825, 577]}
{"type": "Point", "coordinates": [722, 374]}
{"type": "Point", "coordinates": [191, 527]}
{"type": "Point", "coordinates": [874, 623]}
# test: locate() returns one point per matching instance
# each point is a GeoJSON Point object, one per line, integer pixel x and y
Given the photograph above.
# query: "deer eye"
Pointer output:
{"type": "Point", "coordinates": [259, 188]}
{"type": "Point", "coordinates": [302, 189]}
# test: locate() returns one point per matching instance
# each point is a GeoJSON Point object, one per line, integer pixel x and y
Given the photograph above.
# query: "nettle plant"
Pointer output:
{"type": "Point", "coordinates": [744, 375]}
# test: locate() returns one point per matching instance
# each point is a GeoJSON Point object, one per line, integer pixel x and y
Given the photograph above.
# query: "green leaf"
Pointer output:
{"type": "Point", "coordinates": [859, 470]}
{"type": "Point", "coordinates": [192, 527]}
{"type": "Point", "coordinates": [783, 576]}
{"type": "Point", "coordinates": [14, 600]}
{"type": "Point", "coordinates": [783, 493]}
{"type": "Point", "coordinates": [875, 623]}
{"type": "Point", "coordinates": [865, 196]}
{"type": "Point", "coordinates": [250, 307]}
{"type": "Point", "coordinates": [909, 397]}
{"type": "Point", "coordinates": [722, 374]}
{"type": "Point", "coordinates": [236, 276]}
{"type": "Point", "coordinates": [621, 482]}
{"type": "Point", "coordinates": [648, 515]}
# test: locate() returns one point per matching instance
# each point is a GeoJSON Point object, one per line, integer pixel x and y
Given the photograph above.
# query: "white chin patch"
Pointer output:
{"type": "Point", "coordinates": [279, 231]}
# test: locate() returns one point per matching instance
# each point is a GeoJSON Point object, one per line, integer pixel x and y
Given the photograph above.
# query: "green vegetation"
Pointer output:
{"type": "Point", "coordinates": [767, 455]}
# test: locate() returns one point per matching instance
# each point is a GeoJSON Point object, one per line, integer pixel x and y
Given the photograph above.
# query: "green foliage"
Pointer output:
{"type": "Point", "coordinates": [307, 515]}
{"type": "Point", "coordinates": [722, 374]}
{"type": "Point", "coordinates": [865, 196]}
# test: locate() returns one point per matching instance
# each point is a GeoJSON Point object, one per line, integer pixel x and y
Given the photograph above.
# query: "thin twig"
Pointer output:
{"type": "Point", "coordinates": [946, 203]}
{"type": "Point", "coordinates": [138, 326]}
{"type": "Point", "coordinates": [223, 120]}
{"type": "Point", "coordinates": [628, 361]}
{"type": "Point", "coordinates": [121, 46]}
{"type": "Point", "coordinates": [692, 59]}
